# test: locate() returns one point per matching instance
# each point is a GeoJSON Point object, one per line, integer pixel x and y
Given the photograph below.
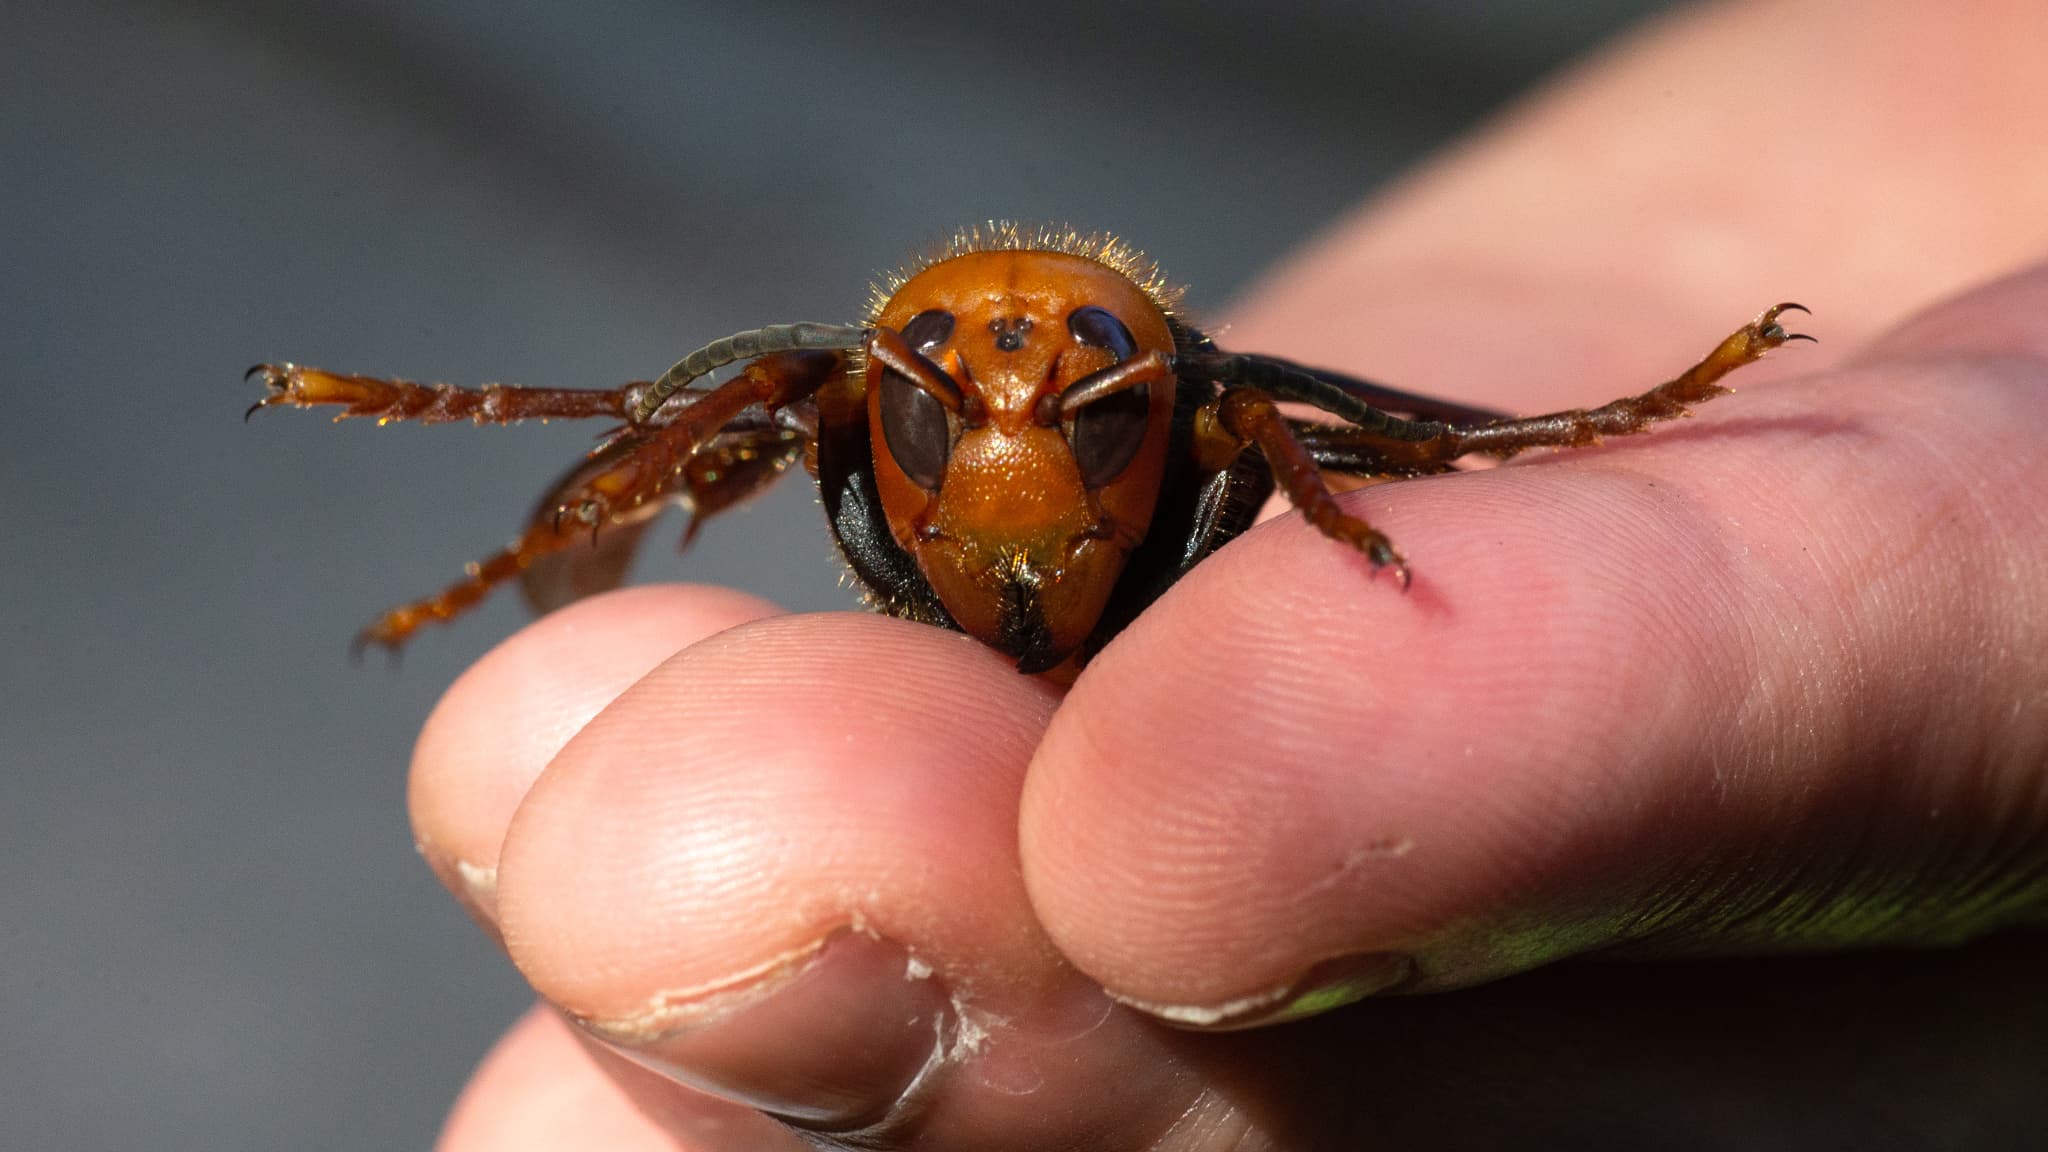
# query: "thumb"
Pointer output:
{"type": "Point", "coordinates": [1769, 680]}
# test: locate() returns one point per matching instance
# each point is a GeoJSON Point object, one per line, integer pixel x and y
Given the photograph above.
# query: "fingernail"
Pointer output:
{"type": "Point", "coordinates": [1331, 984]}
{"type": "Point", "coordinates": [830, 1037]}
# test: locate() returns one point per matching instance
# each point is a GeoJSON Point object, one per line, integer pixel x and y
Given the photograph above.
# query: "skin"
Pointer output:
{"type": "Point", "coordinates": [1739, 699]}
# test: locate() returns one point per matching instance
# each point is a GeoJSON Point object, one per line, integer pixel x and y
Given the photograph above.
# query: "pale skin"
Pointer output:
{"type": "Point", "coordinates": [1771, 679]}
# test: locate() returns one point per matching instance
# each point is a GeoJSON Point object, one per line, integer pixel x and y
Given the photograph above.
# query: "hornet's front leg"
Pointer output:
{"type": "Point", "coordinates": [388, 401]}
{"type": "Point", "coordinates": [1245, 416]}
{"type": "Point", "coordinates": [710, 454]}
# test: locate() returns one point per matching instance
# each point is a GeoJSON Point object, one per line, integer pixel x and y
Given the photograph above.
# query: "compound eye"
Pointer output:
{"type": "Point", "coordinates": [914, 425]}
{"type": "Point", "coordinates": [1108, 433]}
{"type": "Point", "coordinates": [1099, 328]}
{"type": "Point", "coordinates": [927, 330]}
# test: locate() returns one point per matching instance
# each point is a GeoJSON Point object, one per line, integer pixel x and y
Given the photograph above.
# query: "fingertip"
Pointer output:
{"type": "Point", "coordinates": [499, 724]}
{"type": "Point", "coordinates": [765, 789]}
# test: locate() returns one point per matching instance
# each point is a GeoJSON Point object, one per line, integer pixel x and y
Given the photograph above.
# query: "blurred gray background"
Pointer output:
{"type": "Point", "coordinates": [213, 931]}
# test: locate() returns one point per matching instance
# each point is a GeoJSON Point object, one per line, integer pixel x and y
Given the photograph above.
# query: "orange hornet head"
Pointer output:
{"type": "Point", "coordinates": [1020, 404]}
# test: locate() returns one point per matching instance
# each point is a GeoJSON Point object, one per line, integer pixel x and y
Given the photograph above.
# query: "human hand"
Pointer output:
{"type": "Point", "coordinates": [1769, 680]}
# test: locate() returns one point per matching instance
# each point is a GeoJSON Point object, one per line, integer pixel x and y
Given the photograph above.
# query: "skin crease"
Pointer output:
{"type": "Point", "coordinates": [1771, 677]}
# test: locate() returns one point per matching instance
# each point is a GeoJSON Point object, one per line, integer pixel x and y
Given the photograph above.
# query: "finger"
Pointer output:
{"type": "Point", "coordinates": [505, 718]}
{"type": "Point", "coordinates": [1771, 680]}
{"type": "Point", "coordinates": [1866, 159]}
{"type": "Point", "coordinates": [541, 1090]}
{"type": "Point", "coordinates": [782, 869]}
